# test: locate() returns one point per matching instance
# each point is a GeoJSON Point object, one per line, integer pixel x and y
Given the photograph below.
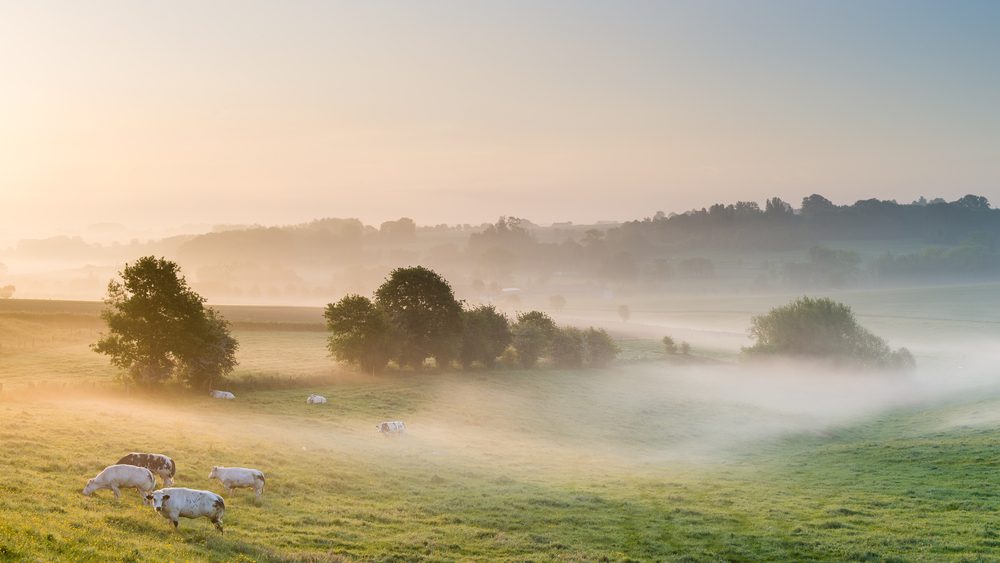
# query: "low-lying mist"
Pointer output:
{"type": "Point", "coordinates": [650, 415]}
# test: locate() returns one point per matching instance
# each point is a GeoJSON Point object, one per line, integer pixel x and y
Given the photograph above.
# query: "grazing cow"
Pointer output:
{"type": "Point", "coordinates": [117, 477]}
{"type": "Point", "coordinates": [222, 395]}
{"type": "Point", "coordinates": [159, 464]}
{"type": "Point", "coordinates": [392, 427]}
{"type": "Point", "coordinates": [239, 477]}
{"type": "Point", "coordinates": [174, 502]}
{"type": "Point", "coordinates": [315, 399]}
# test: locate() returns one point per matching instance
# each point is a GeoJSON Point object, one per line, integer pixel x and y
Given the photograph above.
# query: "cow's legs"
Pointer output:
{"type": "Point", "coordinates": [117, 491]}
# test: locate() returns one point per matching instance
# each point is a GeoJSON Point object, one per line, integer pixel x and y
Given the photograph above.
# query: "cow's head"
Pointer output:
{"type": "Point", "coordinates": [215, 472]}
{"type": "Point", "coordinates": [379, 427]}
{"type": "Point", "coordinates": [156, 499]}
{"type": "Point", "coordinates": [89, 488]}
{"type": "Point", "coordinates": [168, 481]}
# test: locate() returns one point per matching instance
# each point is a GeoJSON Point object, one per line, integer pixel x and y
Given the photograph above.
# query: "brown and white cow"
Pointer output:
{"type": "Point", "coordinates": [159, 464]}
{"type": "Point", "coordinates": [391, 427]}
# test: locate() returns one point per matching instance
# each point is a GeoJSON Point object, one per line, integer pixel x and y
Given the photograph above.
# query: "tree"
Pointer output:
{"type": "Point", "coordinates": [7, 291]}
{"type": "Point", "coordinates": [817, 205]}
{"type": "Point", "coordinates": [213, 357]}
{"type": "Point", "coordinates": [159, 327]}
{"type": "Point", "coordinates": [776, 207]}
{"type": "Point", "coordinates": [421, 305]}
{"type": "Point", "coordinates": [533, 334]}
{"type": "Point", "coordinates": [685, 348]}
{"type": "Point", "coordinates": [972, 202]}
{"type": "Point", "coordinates": [826, 266]}
{"type": "Point", "coordinates": [823, 329]}
{"type": "Point", "coordinates": [485, 335]}
{"type": "Point", "coordinates": [566, 348]}
{"type": "Point", "coordinates": [401, 230]}
{"type": "Point", "coordinates": [599, 349]}
{"type": "Point", "coordinates": [360, 333]}
{"type": "Point", "coordinates": [669, 346]}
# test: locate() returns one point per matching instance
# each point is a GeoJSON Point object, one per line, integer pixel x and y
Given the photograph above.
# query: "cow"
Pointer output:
{"type": "Point", "coordinates": [222, 395]}
{"type": "Point", "coordinates": [122, 476]}
{"type": "Point", "coordinates": [239, 477]}
{"type": "Point", "coordinates": [159, 464]}
{"type": "Point", "coordinates": [393, 427]}
{"type": "Point", "coordinates": [174, 502]}
{"type": "Point", "coordinates": [315, 399]}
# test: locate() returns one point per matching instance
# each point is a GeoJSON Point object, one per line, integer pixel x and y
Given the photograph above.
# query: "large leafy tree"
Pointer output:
{"type": "Point", "coordinates": [360, 332]}
{"type": "Point", "coordinates": [824, 329]}
{"type": "Point", "coordinates": [533, 334]}
{"type": "Point", "coordinates": [421, 305]}
{"type": "Point", "coordinates": [485, 335]}
{"type": "Point", "coordinates": [158, 327]}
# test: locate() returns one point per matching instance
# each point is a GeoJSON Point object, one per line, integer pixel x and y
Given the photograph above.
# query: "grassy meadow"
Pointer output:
{"type": "Point", "coordinates": [651, 459]}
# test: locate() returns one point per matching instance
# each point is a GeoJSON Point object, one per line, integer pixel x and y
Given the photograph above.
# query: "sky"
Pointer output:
{"type": "Point", "coordinates": [166, 113]}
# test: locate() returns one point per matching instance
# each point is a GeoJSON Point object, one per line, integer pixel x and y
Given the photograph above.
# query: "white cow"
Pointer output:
{"type": "Point", "coordinates": [315, 399]}
{"type": "Point", "coordinates": [391, 427]}
{"type": "Point", "coordinates": [117, 477]}
{"type": "Point", "coordinates": [174, 502]}
{"type": "Point", "coordinates": [159, 464]}
{"type": "Point", "coordinates": [222, 395]}
{"type": "Point", "coordinates": [239, 477]}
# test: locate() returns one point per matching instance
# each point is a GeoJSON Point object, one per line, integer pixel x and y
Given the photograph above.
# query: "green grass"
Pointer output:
{"type": "Point", "coordinates": [906, 485]}
{"type": "Point", "coordinates": [637, 462]}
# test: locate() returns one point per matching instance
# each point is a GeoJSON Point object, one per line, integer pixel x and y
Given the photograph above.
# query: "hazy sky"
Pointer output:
{"type": "Point", "coordinates": [154, 113]}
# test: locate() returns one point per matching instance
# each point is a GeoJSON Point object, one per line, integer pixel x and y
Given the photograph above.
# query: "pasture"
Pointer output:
{"type": "Point", "coordinates": [650, 459]}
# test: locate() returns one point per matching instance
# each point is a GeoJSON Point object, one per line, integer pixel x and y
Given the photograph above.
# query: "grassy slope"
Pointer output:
{"type": "Point", "coordinates": [912, 484]}
{"type": "Point", "coordinates": [516, 465]}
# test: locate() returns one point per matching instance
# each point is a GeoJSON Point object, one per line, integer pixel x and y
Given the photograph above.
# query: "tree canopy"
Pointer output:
{"type": "Point", "coordinates": [415, 316]}
{"type": "Point", "coordinates": [485, 335]}
{"type": "Point", "coordinates": [824, 329]}
{"type": "Point", "coordinates": [422, 305]}
{"type": "Point", "coordinates": [158, 327]}
{"type": "Point", "coordinates": [533, 334]}
{"type": "Point", "coordinates": [361, 332]}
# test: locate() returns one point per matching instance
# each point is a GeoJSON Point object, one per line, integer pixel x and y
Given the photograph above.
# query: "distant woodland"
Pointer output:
{"type": "Point", "coordinates": [742, 245]}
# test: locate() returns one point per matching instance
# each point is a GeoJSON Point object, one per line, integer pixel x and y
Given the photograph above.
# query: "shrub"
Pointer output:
{"type": "Point", "coordinates": [824, 329]}
{"type": "Point", "coordinates": [566, 349]}
{"type": "Point", "coordinates": [599, 349]}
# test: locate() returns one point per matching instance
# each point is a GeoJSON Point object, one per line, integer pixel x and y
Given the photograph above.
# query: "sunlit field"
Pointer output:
{"type": "Point", "coordinates": [654, 458]}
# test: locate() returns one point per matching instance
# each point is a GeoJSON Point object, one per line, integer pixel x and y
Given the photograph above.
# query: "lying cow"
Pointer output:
{"type": "Point", "coordinates": [391, 427]}
{"type": "Point", "coordinates": [117, 477]}
{"type": "Point", "coordinates": [176, 502]}
{"type": "Point", "coordinates": [159, 464]}
{"type": "Point", "coordinates": [222, 395]}
{"type": "Point", "coordinates": [239, 477]}
{"type": "Point", "coordinates": [315, 399]}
